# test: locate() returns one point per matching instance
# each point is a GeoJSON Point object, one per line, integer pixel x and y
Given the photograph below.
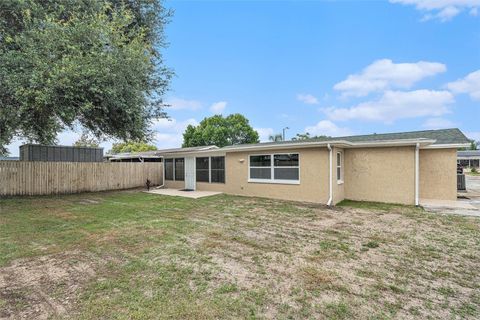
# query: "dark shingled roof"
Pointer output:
{"type": "Point", "coordinates": [442, 136]}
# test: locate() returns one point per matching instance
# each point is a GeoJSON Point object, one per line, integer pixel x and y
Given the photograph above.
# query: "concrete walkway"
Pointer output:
{"type": "Point", "coordinates": [467, 205]}
{"type": "Point", "coordinates": [186, 194]}
{"type": "Point", "coordinates": [460, 207]}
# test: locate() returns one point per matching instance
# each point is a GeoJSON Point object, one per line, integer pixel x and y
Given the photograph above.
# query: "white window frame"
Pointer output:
{"type": "Point", "coordinates": [339, 166]}
{"type": "Point", "coordinates": [272, 169]}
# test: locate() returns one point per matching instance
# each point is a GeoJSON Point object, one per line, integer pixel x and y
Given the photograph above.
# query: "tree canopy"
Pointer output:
{"type": "Point", "coordinates": [86, 141]}
{"type": "Point", "coordinates": [93, 63]}
{"type": "Point", "coordinates": [306, 136]}
{"type": "Point", "coordinates": [220, 131]}
{"type": "Point", "coordinates": [131, 146]}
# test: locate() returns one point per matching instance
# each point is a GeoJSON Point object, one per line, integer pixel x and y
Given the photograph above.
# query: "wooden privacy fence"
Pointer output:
{"type": "Point", "coordinates": [42, 178]}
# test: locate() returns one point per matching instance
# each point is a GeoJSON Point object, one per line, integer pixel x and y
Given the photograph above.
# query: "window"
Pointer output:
{"type": "Point", "coordinates": [168, 169]}
{"type": "Point", "coordinates": [179, 169]}
{"type": "Point", "coordinates": [474, 163]}
{"type": "Point", "coordinates": [217, 171]}
{"type": "Point", "coordinates": [275, 168]}
{"type": "Point", "coordinates": [339, 167]}
{"type": "Point", "coordinates": [261, 167]}
{"type": "Point", "coordinates": [286, 166]}
{"type": "Point", "coordinates": [202, 168]}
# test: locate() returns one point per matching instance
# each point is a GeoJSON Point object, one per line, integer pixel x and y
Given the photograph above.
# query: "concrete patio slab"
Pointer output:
{"type": "Point", "coordinates": [186, 194]}
{"type": "Point", "coordinates": [460, 207]}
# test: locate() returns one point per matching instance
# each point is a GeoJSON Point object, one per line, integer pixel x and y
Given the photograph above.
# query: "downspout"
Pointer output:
{"type": "Point", "coordinates": [330, 186]}
{"type": "Point", "coordinates": [417, 173]}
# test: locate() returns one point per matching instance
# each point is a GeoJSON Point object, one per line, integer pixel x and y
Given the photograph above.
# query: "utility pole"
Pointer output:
{"type": "Point", "coordinates": [283, 135]}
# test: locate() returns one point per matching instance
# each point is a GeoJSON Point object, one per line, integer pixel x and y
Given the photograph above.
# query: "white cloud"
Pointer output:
{"type": "Point", "coordinates": [438, 123]}
{"type": "Point", "coordinates": [218, 107]}
{"type": "Point", "coordinates": [394, 105]}
{"type": "Point", "coordinates": [444, 10]}
{"type": "Point", "coordinates": [328, 128]}
{"type": "Point", "coordinates": [384, 74]}
{"type": "Point", "coordinates": [169, 132]}
{"type": "Point", "coordinates": [307, 98]}
{"type": "Point", "coordinates": [183, 104]}
{"type": "Point", "coordinates": [264, 133]}
{"type": "Point", "coordinates": [470, 84]}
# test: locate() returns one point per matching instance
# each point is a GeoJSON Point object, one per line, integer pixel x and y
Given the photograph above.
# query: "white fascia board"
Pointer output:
{"type": "Point", "coordinates": [200, 153]}
{"type": "Point", "coordinates": [393, 143]}
{"type": "Point", "coordinates": [448, 146]}
{"type": "Point", "coordinates": [335, 143]}
{"type": "Point", "coordinates": [295, 145]}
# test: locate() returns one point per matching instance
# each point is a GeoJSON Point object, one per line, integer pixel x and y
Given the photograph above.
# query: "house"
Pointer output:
{"type": "Point", "coordinates": [469, 159]}
{"type": "Point", "coordinates": [395, 167]}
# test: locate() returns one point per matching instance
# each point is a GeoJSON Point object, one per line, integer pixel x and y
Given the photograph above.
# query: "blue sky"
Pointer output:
{"type": "Point", "coordinates": [326, 67]}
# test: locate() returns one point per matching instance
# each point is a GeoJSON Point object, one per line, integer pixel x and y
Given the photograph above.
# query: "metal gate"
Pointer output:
{"type": "Point", "coordinates": [461, 184]}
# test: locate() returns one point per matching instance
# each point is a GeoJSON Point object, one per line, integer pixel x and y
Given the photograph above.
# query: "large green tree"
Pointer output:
{"type": "Point", "coordinates": [131, 146]}
{"type": "Point", "coordinates": [93, 63]}
{"type": "Point", "coordinates": [220, 131]}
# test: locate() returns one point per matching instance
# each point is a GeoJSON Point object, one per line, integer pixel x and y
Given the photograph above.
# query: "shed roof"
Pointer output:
{"type": "Point", "coordinates": [469, 153]}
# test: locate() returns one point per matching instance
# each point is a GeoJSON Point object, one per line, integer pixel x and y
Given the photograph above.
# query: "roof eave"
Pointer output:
{"type": "Point", "coordinates": [448, 146]}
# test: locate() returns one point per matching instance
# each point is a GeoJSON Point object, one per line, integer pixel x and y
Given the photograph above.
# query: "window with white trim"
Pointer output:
{"type": "Point", "coordinates": [275, 168]}
{"type": "Point", "coordinates": [339, 167]}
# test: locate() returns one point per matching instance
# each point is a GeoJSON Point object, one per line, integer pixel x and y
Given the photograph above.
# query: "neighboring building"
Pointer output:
{"type": "Point", "coordinates": [396, 167]}
{"type": "Point", "coordinates": [469, 159]}
{"type": "Point", "coordinates": [36, 152]}
{"type": "Point", "coordinates": [150, 156]}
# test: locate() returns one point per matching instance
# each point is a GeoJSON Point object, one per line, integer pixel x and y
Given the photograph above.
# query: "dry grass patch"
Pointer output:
{"type": "Point", "coordinates": [137, 255]}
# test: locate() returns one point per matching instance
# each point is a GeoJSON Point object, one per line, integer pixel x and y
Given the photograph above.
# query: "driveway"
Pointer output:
{"type": "Point", "coordinates": [468, 203]}
{"type": "Point", "coordinates": [473, 190]}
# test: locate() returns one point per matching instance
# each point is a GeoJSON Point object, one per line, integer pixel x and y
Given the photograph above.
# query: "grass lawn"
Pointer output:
{"type": "Point", "coordinates": [132, 255]}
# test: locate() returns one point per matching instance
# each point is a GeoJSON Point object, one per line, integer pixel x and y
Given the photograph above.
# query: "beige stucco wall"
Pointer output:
{"type": "Point", "coordinates": [369, 174]}
{"type": "Point", "coordinates": [380, 174]}
{"type": "Point", "coordinates": [438, 174]}
{"type": "Point", "coordinates": [313, 185]}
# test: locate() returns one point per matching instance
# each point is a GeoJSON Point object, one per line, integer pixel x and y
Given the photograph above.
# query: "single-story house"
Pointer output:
{"type": "Point", "coordinates": [395, 167]}
{"type": "Point", "coordinates": [469, 158]}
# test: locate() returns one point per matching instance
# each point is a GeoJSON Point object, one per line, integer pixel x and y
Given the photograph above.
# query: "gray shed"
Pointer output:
{"type": "Point", "coordinates": [36, 152]}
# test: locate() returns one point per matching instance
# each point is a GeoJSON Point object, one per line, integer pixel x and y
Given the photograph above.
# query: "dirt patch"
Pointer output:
{"type": "Point", "coordinates": [46, 286]}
